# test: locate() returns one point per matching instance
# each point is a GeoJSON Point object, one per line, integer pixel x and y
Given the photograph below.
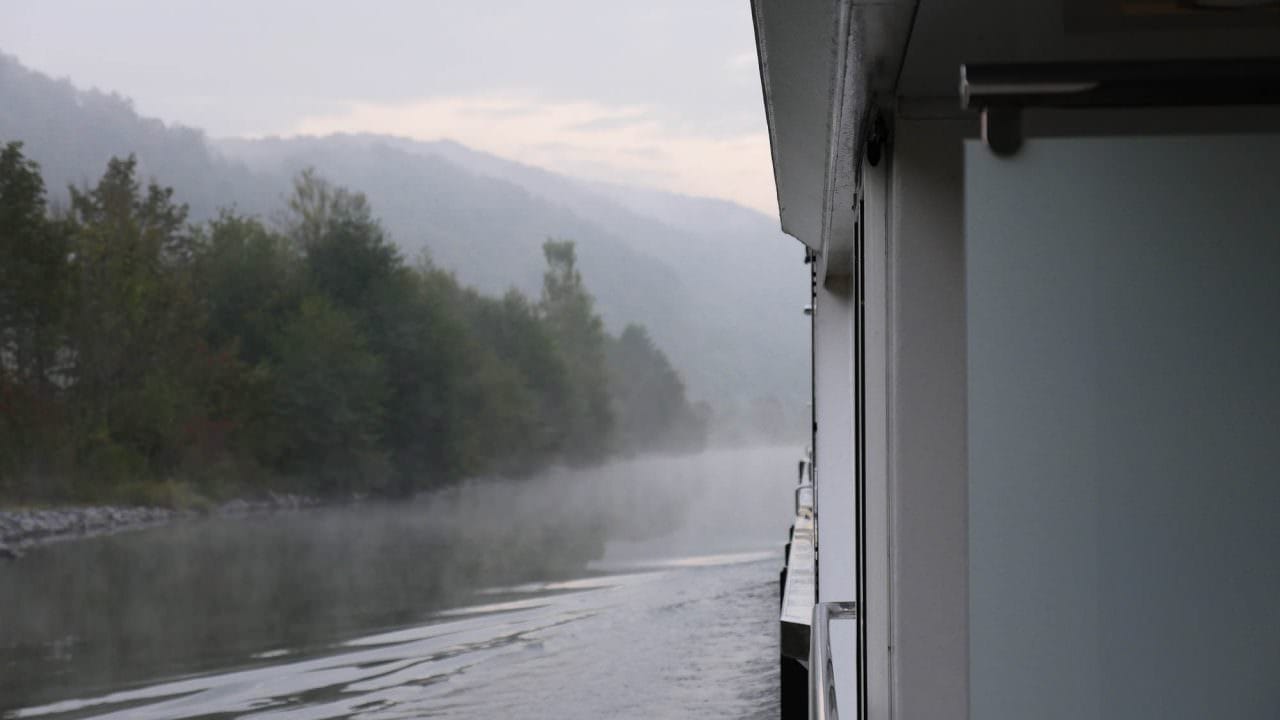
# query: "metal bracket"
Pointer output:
{"type": "Point", "coordinates": [1000, 92]}
{"type": "Point", "coordinates": [1002, 129]}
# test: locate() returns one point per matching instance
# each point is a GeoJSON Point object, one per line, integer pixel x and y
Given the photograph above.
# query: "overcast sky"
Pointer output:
{"type": "Point", "coordinates": [663, 93]}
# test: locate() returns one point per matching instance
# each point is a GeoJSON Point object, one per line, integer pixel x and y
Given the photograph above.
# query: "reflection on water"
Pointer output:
{"type": "Point", "coordinates": [497, 601]}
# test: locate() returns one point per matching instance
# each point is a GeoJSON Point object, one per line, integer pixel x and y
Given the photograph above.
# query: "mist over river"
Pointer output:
{"type": "Point", "coordinates": [641, 589]}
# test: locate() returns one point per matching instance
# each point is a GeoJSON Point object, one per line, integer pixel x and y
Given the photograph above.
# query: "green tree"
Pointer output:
{"type": "Point", "coordinates": [409, 324]}
{"type": "Point", "coordinates": [251, 281]}
{"type": "Point", "coordinates": [569, 311]}
{"type": "Point", "coordinates": [346, 253]}
{"type": "Point", "coordinates": [513, 330]}
{"type": "Point", "coordinates": [329, 399]}
{"type": "Point", "coordinates": [33, 295]}
{"type": "Point", "coordinates": [648, 396]}
{"type": "Point", "coordinates": [135, 326]}
{"type": "Point", "coordinates": [421, 339]}
{"type": "Point", "coordinates": [459, 408]}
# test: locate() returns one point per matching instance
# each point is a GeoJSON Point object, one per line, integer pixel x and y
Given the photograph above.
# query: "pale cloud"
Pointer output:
{"type": "Point", "coordinates": [745, 60]}
{"type": "Point", "coordinates": [622, 144]}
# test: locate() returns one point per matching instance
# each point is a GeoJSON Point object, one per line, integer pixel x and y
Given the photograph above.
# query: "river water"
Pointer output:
{"type": "Point", "coordinates": [643, 589]}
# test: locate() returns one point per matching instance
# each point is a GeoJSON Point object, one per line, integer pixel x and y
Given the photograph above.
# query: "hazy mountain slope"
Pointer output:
{"type": "Point", "coordinates": [743, 275]}
{"type": "Point", "coordinates": [72, 133]}
{"type": "Point", "coordinates": [718, 286]}
{"type": "Point", "coordinates": [488, 231]}
{"type": "Point", "coordinates": [744, 281]}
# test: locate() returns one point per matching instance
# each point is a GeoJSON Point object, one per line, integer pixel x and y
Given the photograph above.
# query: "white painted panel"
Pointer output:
{"type": "Point", "coordinates": [929, 507]}
{"type": "Point", "coordinates": [844, 661]}
{"type": "Point", "coordinates": [1124, 428]}
{"type": "Point", "coordinates": [834, 441]}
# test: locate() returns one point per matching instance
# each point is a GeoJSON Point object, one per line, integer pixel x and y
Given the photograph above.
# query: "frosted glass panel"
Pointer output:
{"type": "Point", "coordinates": [1124, 428]}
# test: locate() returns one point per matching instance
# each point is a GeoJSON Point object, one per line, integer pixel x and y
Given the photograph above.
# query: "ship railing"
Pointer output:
{"type": "Point", "coordinates": [804, 483]}
{"type": "Point", "coordinates": [822, 681]}
{"type": "Point", "coordinates": [804, 507]}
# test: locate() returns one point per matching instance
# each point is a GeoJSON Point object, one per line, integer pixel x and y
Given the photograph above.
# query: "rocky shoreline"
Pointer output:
{"type": "Point", "coordinates": [26, 528]}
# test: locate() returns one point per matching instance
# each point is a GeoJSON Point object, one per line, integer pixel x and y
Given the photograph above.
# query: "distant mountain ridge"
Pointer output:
{"type": "Point", "coordinates": [718, 285]}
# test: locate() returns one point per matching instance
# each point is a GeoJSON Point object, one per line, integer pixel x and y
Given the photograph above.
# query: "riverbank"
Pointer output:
{"type": "Point", "coordinates": [24, 528]}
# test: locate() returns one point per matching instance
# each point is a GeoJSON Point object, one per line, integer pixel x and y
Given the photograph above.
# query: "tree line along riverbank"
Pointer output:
{"type": "Point", "coordinates": [149, 361]}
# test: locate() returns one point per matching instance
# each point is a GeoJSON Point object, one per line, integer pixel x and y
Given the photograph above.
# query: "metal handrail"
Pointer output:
{"type": "Point", "coordinates": [805, 467]}
{"type": "Point", "coordinates": [822, 685]}
{"type": "Point", "coordinates": [809, 506]}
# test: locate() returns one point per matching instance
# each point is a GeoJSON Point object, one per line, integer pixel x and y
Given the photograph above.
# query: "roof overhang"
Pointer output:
{"type": "Point", "coordinates": [823, 63]}
{"type": "Point", "coordinates": [826, 64]}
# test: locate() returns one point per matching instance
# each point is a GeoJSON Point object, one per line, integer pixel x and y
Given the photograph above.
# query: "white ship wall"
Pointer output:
{"type": "Point", "coordinates": [1124, 428]}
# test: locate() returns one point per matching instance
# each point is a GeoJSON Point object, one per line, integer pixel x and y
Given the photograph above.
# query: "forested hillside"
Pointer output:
{"type": "Point", "coordinates": [717, 286]}
{"type": "Point", "coordinates": [148, 359]}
